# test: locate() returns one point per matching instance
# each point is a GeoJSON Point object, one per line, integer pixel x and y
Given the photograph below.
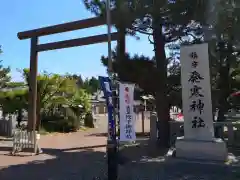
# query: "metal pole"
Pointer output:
{"type": "Point", "coordinates": [111, 141]}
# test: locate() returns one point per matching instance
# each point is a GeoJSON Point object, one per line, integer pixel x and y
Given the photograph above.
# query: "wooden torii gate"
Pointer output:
{"type": "Point", "coordinates": [35, 48]}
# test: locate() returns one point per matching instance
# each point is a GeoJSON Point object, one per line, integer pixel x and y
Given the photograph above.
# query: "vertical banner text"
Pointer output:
{"type": "Point", "coordinates": [127, 115]}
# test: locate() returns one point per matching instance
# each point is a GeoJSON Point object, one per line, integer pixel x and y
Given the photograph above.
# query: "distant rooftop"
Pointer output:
{"type": "Point", "coordinates": [98, 96]}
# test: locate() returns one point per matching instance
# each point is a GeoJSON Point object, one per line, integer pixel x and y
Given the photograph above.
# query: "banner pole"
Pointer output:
{"type": "Point", "coordinates": [111, 141]}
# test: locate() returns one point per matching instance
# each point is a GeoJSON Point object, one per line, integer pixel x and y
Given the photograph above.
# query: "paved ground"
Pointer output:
{"type": "Point", "coordinates": [80, 156]}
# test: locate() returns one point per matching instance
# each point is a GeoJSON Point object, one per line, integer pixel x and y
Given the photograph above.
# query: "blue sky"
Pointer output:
{"type": "Point", "coordinates": [20, 15]}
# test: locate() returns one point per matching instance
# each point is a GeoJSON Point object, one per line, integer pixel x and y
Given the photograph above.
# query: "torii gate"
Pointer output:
{"type": "Point", "coordinates": [35, 48]}
{"type": "Point", "coordinates": [60, 28]}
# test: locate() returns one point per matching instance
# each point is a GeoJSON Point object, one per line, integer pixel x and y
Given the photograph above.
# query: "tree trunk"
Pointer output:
{"type": "Point", "coordinates": [121, 44]}
{"type": "Point", "coordinates": [19, 117]}
{"type": "Point", "coordinates": [224, 86]}
{"type": "Point", "coordinates": [161, 82]}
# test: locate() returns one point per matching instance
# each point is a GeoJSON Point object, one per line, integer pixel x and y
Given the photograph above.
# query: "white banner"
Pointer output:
{"type": "Point", "coordinates": [127, 115]}
{"type": "Point", "coordinates": [196, 92]}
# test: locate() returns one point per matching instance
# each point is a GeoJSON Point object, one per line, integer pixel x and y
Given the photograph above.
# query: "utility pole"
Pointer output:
{"type": "Point", "coordinates": [112, 148]}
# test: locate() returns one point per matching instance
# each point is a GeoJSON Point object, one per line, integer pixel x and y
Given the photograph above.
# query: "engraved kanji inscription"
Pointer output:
{"type": "Point", "coordinates": [197, 105]}
{"type": "Point", "coordinates": [196, 91]}
{"type": "Point", "coordinates": [193, 55]}
{"type": "Point", "coordinates": [198, 122]}
{"type": "Point", "coordinates": [195, 77]}
{"type": "Point", "coordinates": [194, 64]}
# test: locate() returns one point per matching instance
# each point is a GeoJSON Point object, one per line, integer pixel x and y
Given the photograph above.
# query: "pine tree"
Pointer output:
{"type": "Point", "coordinates": [164, 22]}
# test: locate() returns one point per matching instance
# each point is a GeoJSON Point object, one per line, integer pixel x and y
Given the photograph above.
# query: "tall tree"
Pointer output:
{"type": "Point", "coordinates": [94, 83]}
{"type": "Point", "coordinates": [225, 62]}
{"type": "Point", "coordinates": [139, 70]}
{"type": "Point", "coordinates": [165, 21]}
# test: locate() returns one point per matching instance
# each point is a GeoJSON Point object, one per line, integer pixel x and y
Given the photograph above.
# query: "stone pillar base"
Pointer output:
{"type": "Point", "coordinates": [214, 150]}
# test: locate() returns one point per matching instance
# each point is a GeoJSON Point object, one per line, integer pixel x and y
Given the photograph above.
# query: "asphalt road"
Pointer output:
{"type": "Point", "coordinates": [80, 156]}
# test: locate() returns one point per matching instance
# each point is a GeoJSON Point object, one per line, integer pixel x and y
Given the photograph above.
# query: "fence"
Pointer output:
{"type": "Point", "coordinates": [7, 126]}
{"type": "Point", "coordinates": [230, 131]}
{"type": "Point", "coordinates": [24, 140]}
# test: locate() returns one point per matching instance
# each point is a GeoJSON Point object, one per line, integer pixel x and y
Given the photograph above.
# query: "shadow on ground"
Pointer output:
{"type": "Point", "coordinates": [138, 134]}
{"type": "Point", "coordinates": [74, 164]}
{"type": "Point", "coordinates": [143, 161]}
{"type": "Point", "coordinates": [146, 160]}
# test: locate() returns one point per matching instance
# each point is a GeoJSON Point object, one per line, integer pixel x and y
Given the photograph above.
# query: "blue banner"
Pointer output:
{"type": "Point", "coordinates": [105, 84]}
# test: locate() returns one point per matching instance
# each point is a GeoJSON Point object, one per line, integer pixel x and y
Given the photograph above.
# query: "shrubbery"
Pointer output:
{"type": "Point", "coordinates": [88, 120]}
{"type": "Point", "coordinates": [62, 105]}
{"type": "Point", "coordinates": [68, 119]}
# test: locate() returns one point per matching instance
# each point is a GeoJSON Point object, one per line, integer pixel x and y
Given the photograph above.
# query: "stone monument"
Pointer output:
{"type": "Point", "coordinates": [198, 141]}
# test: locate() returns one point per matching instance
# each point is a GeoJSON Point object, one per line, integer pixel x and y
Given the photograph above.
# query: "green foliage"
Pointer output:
{"type": "Point", "coordinates": [61, 93]}
{"type": "Point", "coordinates": [142, 71]}
{"type": "Point", "coordinates": [136, 69]}
{"type": "Point", "coordinates": [77, 78]}
{"type": "Point", "coordinates": [4, 75]}
{"type": "Point", "coordinates": [81, 97]}
{"type": "Point", "coordinates": [13, 100]}
{"type": "Point", "coordinates": [58, 102]}
{"type": "Point", "coordinates": [10, 99]}
{"type": "Point", "coordinates": [176, 18]}
{"type": "Point", "coordinates": [123, 13]}
{"type": "Point", "coordinates": [63, 101]}
{"type": "Point", "coordinates": [53, 89]}
{"type": "Point", "coordinates": [179, 21]}
{"type": "Point", "coordinates": [91, 85]}
{"type": "Point", "coordinates": [15, 84]}
{"type": "Point", "coordinates": [88, 120]}
{"type": "Point", "coordinates": [224, 54]}
{"type": "Point", "coordinates": [163, 22]}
